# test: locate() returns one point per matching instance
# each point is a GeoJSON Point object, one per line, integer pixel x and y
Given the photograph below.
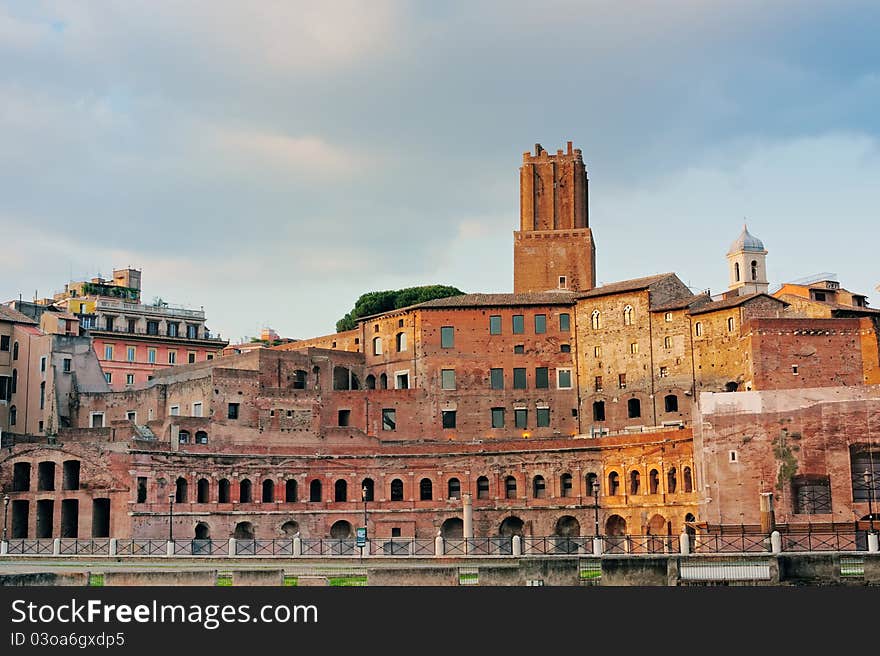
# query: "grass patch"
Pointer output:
{"type": "Point", "coordinates": [224, 580]}
{"type": "Point", "coordinates": [96, 580]}
{"type": "Point", "coordinates": [291, 581]}
{"type": "Point", "coordinates": [347, 580]}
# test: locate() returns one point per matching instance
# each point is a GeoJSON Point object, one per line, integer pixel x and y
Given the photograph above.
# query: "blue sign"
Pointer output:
{"type": "Point", "coordinates": [361, 535]}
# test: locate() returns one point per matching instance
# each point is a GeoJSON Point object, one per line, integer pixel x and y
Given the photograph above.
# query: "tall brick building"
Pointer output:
{"type": "Point", "coordinates": [536, 404]}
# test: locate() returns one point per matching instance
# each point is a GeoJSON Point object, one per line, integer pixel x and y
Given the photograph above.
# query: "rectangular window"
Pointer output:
{"type": "Point", "coordinates": [210, 356]}
{"type": "Point", "coordinates": [447, 336]}
{"type": "Point", "coordinates": [447, 379]}
{"type": "Point", "coordinates": [564, 322]}
{"type": "Point", "coordinates": [108, 352]}
{"type": "Point", "coordinates": [130, 353]}
{"type": "Point", "coordinates": [152, 327]}
{"type": "Point", "coordinates": [191, 357]}
{"type": "Point", "coordinates": [108, 377]}
{"type": "Point", "coordinates": [4, 342]}
{"type": "Point", "coordinates": [172, 357]}
{"type": "Point", "coordinates": [389, 419]}
{"type": "Point", "coordinates": [598, 383]}
{"type": "Point", "coordinates": [132, 325]}
{"type": "Point", "coordinates": [542, 377]}
{"type": "Point", "coordinates": [496, 379]}
{"type": "Point", "coordinates": [192, 331]}
{"type": "Point", "coordinates": [563, 282]}
{"type": "Point", "coordinates": [565, 348]}
{"type": "Point", "coordinates": [521, 418]}
{"type": "Point", "coordinates": [519, 325]}
{"type": "Point", "coordinates": [597, 351]}
{"type": "Point", "coordinates": [540, 323]}
{"type": "Point", "coordinates": [519, 349]}
{"type": "Point", "coordinates": [495, 324]}
{"type": "Point", "coordinates": [563, 378]}
{"type": "Point", "coordinates": [151, 356]}
{"type": "Point", "coordinates": [621, 381]}
{"type": "Point", "coordinates": [667, 317]}
{"type": "Point", "coordinates": [65, 366]}
{"type": "Point", "coordinates": [108, 323]}
{"type": "Point", "coordinates": [174, 411]}
{"type": "Point", "coordinates": [344, 417]}
{"type": "Point", "coordinates": [172, 329]}
{"type": "Point", "coordinates": [132, 416]}
{"type": "Point", "coordinates": [519, 378]}
{"type": "Point", "coordinates": [232, 411]}
{"type": "Point", "coordinates": [794, 369]}
{"type": "Point", "coordinates": [664, 372]}
{"type": "Point", "coordinates": [97, 420]}
{"type": "Point", "coordinates": [448, 417]}
{"type": "Point", "coordinates": [129, 379]}
{"type": "Point", "coordinates": [543, 417]}
{"type": "Point", "coordinates": [197, 409]}
{"type": "Point", "coordinates": [401, 380]}
{"type": "Point", "coordinates": [667, 342]}
{"type": "Point", "coordinates": [497, 417]}
{"type": "Point", "coordinates": [634, 348]}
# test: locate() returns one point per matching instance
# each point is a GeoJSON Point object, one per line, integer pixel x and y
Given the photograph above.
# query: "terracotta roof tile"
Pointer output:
{"type": "Point", "coordinates": [731, 302]}
{"type": "Point", "coordinates": [633, 285]}
{"type": "Point", "coordinates": [8, 314]}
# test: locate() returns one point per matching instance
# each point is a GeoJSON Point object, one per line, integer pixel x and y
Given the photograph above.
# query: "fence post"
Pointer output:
{"type": "Point", "coordinates": [684, 543]}
{"type": "Point", "coordinates": [114, 546]}
{"type": "Point", "coordinates": [4, 548]}
{"type": "Point", "coordinates": [56, 547]}
{"type": "Point", "coordinates": [516, 545]}
{"type": "Point", "coordinates": [597, 546]}
{"type": "Point", "coordinates": [231, 547]}
{"type": "Point", "coordinates": [873, 543]}
{"type": "Point", "coordinates": [776, 542]}
{"type": "Point", "coordinates": [297, 549]}
{"type": "Point", "coordinates": [169, 548]}
{"type": "Point", "coordinates": [439, 545]}
{"type": "Point", "coordinates": [367, 549]}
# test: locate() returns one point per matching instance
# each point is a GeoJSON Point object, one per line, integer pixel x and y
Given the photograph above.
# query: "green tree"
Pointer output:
{"type": "Point", "coordinates": [378, 302]}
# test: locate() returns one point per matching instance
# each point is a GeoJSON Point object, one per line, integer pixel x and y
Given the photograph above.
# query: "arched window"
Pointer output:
{"type": "Point", "coordinates": [736, 271]}
{"type": "Point", "coordinates": [315, 491]}
{"type": "Point", "coordinates": [377, 346]}
{"type": "Point", "coordinates": [634, 481]}
{"type": "Point", "coordinates": [688, 480]}
{"type": "Point", "coordinates": [203, 491]}
{"type": "Point", "coordinates": [591, 480]}
{"type": "Point", "coordinates": [370, 381]}
{"type": "Point", "coordinates": [223, 491]}
{"type": "Point", "coordinates": [754, 269]}
{"type": "Point", "coordinates": [290, 491]}
{"type": "Point", "coordinates": [453, 489]}
{"type": "Point", "coordinates": [268, 491]}
{"type": "Point", "coordinates": [510, 487]}
{"type": "Point", "coordinates": [401, 342]}
{"type": "Point", "coordinates": [383, 381]}
{"type": "Point", "coordinates": [653, 481]}
{"type": "Point", "coordinates": [628, 315]}
{"type": "Point", "coordinates": [633, 408]}
{"type": "Point", "coordinates": [245, 494]}
{"type": "Point", "coordinates": [730, 324]}
{"type": "Point", "coordinates": [15, 351]}
{"type": "Point", "coordinates": [698, 329]}
{"type": "Point", "coordinates": [539, 487]}
{"type": "Point", "coordinates": [670, 403]}
{"type": "Point", "coordinates": [13, 415]}
{"type": "Point", "coordinates": [482, 487]}
{"type": "Point", "coordinates": [340, 491]}
{"type": "Point", "coordinates": [596, 320]}
{"type": "Point", "coordinates": [671, 481]}
{"type": "Point", "coordinates": [367, 489]}
{"type": "Point", "coordinates": [426, 489]}
{"type": "Point", "coordinates": [565, 485]}
{"type": "Point", "coordinates": [201, 437]}
{"type": "Point", "coordinates": [397, 490]}
{"type": "Point", "coordinates": [180, 491]}
{"type": "Point", "coordinates": [183, 437]}
{"type": "Point", "coordinates": [14, 380]}
{"type": "Point", "coordinates": [613, 484]}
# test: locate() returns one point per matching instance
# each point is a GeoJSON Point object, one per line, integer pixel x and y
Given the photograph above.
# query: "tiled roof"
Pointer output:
{"type": "Point", "coordinates": [8, 314]}
{"type": "Point", "coordinates": [682, 303]}
{"type": "Point", "coordinates": [495, 300]}
{"type": "Point", "coordinates": [731, 302]}
{"type": "Point", "coordinates": [636, 284]}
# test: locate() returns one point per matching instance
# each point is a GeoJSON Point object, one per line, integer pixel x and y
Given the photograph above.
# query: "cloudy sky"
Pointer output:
{"type": "Point", "coordinates": [271, 161]}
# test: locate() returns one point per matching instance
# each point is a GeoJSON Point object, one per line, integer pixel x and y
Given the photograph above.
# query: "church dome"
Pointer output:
{"type": "Point", "coordinates": [746, 242]}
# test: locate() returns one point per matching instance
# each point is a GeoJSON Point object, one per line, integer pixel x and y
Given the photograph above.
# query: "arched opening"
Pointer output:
{"type": "Point", "coordinates": [736, 274]}
{"type": "Point", "coordinates": [653, 481]}
{"type": "Point", "coordinates": [180, 490]}
{"type": "Point", "coordinates": [340, 491]}
{"type": "Point", "coordinates": [201, 437]}
{"type": "Point", "coordinates": [426, 489]}
{"type": "Point", "coordinates": [482, 487]}
{"type": "Point", "coordinates": [634, 482]}
{"type": "Point", "coordinates": [243, 531]}
{"type": "Point", "coordinates": [183, 437]}
{"type": "Point", "coordinates": [202, 531]}
{"type": "Point", "coordinates": [46, 476]}
{"type": "Point", "coordinates": [452, 529]}
{"type": "Point", "coordinates": [370, 381]}
{"type": "Point", "coordinates": [223, 491]}
{"type": "Point", "coordinates": [754, 269]}
{"type": "Point", "coordinates": [627, 315]}
{"type": "Point", "coordinates": [633, 408]}
{"type": "Point", "coordinates": [299, 379]}
{"type": "Point", "coordinates": [565, 485]}
{"type": "Point", "coordinates": [689, 528]}
{"type": "Point", "coordinates": [670, 403]}
{"type": "Point", "coordinates": [13, 415]}
{"type": "Point", "coordinates": [397, 490]}
{"type": "Point", "coordinates": [596, 320]}
{"type": "Point", "coordinates": [290, 528]}
{"type": "Point", "coordinates": [539, 487]}
{"type": "Point", "coordinates": [377, 346]}
{"type": "Point", "coordinates": [368, 489]}
{"type": "Point", "coordinates": [613, 484]}
{"type": "Point", "coordinates": [731, 386]}
{"type": "Point", "coordinates": [511, 526]}
{"type": "Point", "coordinates": [401, 342]}
{"type": "Point", "coordinates": [341, 530]}
{"type": "Point", "coordinates": [453, 489]}
{"type": "Point", "coordinates": [567, 527]}
{"type": "Point", "coordinates": [615, 526]}
{"type": "Point", "coordinates": [290, 491]}
{"type": "Point", "coordinates": [671, 481]}
{"type": "Point", "coordinates": [383, 381]}
{"type": "Point", "coordinates": [268, 491]}
{"type": "Point", "coordinates": [658, 526]}
{"type": "Point", "coordinates": [245, 492]}
{"type": "Point", "coordinates": [688, 480]}
{"type": "Point", "coordinates": [510, 487]}
{"type": "Point", "coordinates": [203, 490]}
{"type": "Point", "coordinates": [315, 491]}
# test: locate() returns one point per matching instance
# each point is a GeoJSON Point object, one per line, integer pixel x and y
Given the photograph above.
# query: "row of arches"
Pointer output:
{"type": "Point", "coordinates": [653, 485]}
{"type": "Point", "coordinates": [596, 319]}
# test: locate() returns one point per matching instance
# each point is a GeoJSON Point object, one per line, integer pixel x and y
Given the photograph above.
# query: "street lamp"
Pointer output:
{"type": "Point", "coordinates": [869, 483]}
{"type": "Point", "coordinates": [5, 511]}
{"type": "Point", "coordinates": [171, 517]}
{"type": "Point", "coordinates": [364, 498]}
{"type": "Point", "coordinates": [596, 504]}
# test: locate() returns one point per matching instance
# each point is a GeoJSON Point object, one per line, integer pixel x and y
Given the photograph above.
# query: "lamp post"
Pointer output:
{"type": "Point", "coordinates": [869, 483]}
{"type": "Point", "coordinates": [171, 517]}
{"type": "Point", "coordinates": [364, 498]}
{"type": "Point", "coordinates": [596, 504]}
{"type": "Point", "coordinates": [5, 512]}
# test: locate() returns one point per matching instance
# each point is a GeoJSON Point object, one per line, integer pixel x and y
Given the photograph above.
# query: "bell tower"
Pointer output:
{"type": "Point", "coordinates": [553, 249]}
{"type": "Point", "coordinates": [747, 262]}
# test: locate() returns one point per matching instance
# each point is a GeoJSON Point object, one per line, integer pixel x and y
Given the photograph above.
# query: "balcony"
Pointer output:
{"type": "Point", "coordinates": [164, 311]}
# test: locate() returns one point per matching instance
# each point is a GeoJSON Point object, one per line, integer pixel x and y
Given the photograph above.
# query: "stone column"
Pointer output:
{"type": "Point", "coordinates": [468, 518]}
{"type": "Point", "coordinates": [768, 519]}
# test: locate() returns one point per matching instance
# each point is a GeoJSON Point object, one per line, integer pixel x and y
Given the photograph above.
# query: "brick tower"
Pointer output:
{"type": "Point", "coordinates": [553, 249]}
